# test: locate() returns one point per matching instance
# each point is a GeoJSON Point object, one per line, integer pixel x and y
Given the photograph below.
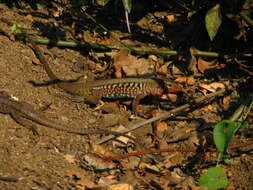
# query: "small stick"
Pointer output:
{"type": "Point", "coordinates": [165, 115]}
{"type": "Point", "coordinates": [123, 156]}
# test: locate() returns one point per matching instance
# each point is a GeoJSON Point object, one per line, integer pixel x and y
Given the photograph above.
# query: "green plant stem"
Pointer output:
{"type": "Point", "coordinates": [130, 48]}
{"type": "Point", "coordinates": [243, 110]}
{"type": "Point", "coordinates": [71, 44]}
{"type": "Point", "coordinates": [219, 159]}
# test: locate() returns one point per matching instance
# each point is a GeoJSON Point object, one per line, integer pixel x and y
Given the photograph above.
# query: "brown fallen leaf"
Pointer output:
{"type": "Point", "coordinates": [105, 181]}
{"type": "Point", "coordinates": [148, 167]}
{"type": "Point", "coordinates": [194, 187]}
{"type": "Point", "coordinates": [221, 66]}
{"type": "Point", "coordinates": [161, 126]}
{"type": "Point", "coordinates": [153, 58]}
{"type": "Point", "coordinates": [120, 186]}
{"type": "Point", "coordinates": [99, 149]}
{"type": "Point", "coordinates": [173, 160]}
{"type": "Point", "coordinates": [81, 179]}
{"type": "Point", "coordinates": [213, 87]}
{"type": "Point", "coordinates": [163, 69]}
{"type": "Point", "coordinates": [119, 60]}
{"type": "Point", "coordinates": [122, 140]}
{"type": "Point", "coordinates": [171, 97]}
{"type": "Point", "coordinates": [226, 100]}
{"type": "Point", "coordinates": [205, 65]}
{"type": "Point", "coordinates": [99, 164]}
{"type": "Point", "coordinates": [128, 64]}
{"type": "Point", "coordinates": [70, 158]}
{"type": "Point", "coordinates": [186, 80]}
{"type": "Point", "coordinates": [192, 66]}
{"type": "Point", "coordinates": [171, 18]}
{"type": "Point", "coordinates": [163, 182]}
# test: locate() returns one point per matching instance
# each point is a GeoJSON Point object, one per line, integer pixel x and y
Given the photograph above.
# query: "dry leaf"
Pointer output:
{"type": "Point", "coordinates": [107, 180]}
{"type": "Point", "coordinates": [30, 17]}
{"type": "Point", "coordinates": [131, 163]}
{"type": "Point", "coordinates": [101, 150]}
{"type": "Point", "coordinates": [163, 69]}
{"type": "Point", "coordinates": [105, 41]}
{"type": "Point", "coordinates": [120, 186]}
{"type": "Point", "coordinates": [176, 71]}
{"type": "Point", "coordinates": [186, 80]}
{"type": "Point", "coordinates": [56, 13]}
{"type": "Point", "coordinates": [171, 18]}
{"type": "Point", "coordinates": [99, 68]}
{"type": "Point", "coordinates": [120, 59]}
{"type": "Point", "coordinates": [221, 66]}
{"type": "Point", "coordinates": [130, 65]}
{"type": "Point", "coordinates": [181, 80]}
{"type": "Point", "coordinates": [148, 167]}
{"type": "Point", "coordinates": [226, 100]}
{"type": "Point", "coordinates": [153, 58]}
{"type": "Point", "coordinates": [86, 183]}
{"type": "Point", "coordinates": [164, 182]}
{"type": "Point", "coordinates": [193, 62]}
{"type": "Point", "coordinates": [81, 180]}
{"type": "Point", "coordinates": [204, 65]}
{"type": "Point", "coordinates": [161, 126]}
{"type": "Point", "coordinates": [194, 187]}
{"type": "Point", "coordinates": [99, 164]}
{"type": "Point", "coordinates": [70, 158]}
{"type": "Point", "coordinates": [138, 67]}
{"type": "Point", "coordinates": [172, 97]}
{"type": "Point", "coordinates": [173, 159]}
{"type": "Point", "coordinates": [207, 108]}
{"type": "Point", "coordinates": [122, 139]}
{"type": "Point", "coordinates": [213, 87]}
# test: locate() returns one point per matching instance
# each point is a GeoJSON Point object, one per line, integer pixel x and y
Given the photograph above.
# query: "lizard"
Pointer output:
{"type": "Point", "coordinates": [24, 114]}
{"type": "Point", "coordinates": [92, 91]}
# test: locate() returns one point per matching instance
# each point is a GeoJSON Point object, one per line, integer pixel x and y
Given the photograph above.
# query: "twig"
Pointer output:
{"type": "Point", "coordinates": [165, 115]}
{"type": "Point", "coordinates": [141, 153]}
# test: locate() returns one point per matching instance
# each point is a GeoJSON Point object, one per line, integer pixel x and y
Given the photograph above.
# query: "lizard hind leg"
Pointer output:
{"type": "Point", "coordinates": [135, 104]}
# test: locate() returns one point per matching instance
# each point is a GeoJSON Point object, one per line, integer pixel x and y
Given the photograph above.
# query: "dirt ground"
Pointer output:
{"type": "Point", "coordinates": [58, 160]}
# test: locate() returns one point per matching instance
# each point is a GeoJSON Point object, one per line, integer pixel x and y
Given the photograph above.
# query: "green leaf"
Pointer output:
{"type": "Point", "coordinates": [219, 137]}
{"type": "Point", "coordinates": [223, 133]}
{"type": "Point", "coordinates": [127, 5]}
{"type": "Point", "coordinates": [213, 21]}
{"type": "Point", "coordinates": [214, 178]}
